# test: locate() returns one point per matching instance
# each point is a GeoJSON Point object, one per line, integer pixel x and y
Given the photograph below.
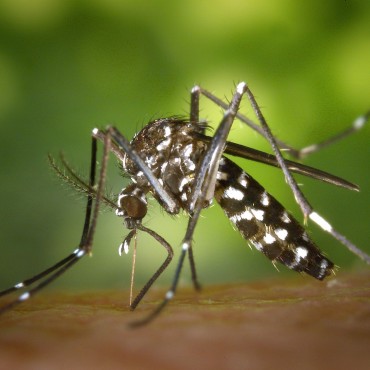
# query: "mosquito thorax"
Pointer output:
{"type": "Point", "coordinates": [171, 150]}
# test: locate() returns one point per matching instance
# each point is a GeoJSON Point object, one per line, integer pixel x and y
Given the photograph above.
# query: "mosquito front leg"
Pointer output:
{"type": "Point", "coordinates": [124, 146]}
{"type": "Point", "coordinates": [49, 275]}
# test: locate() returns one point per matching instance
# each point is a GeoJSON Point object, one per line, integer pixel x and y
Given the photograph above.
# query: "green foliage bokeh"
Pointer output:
{"type": "Point", "coordinates": [67, 66]}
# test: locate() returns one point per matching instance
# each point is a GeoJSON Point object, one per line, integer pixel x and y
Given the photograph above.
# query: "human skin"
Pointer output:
{"type": "Point", "coordinates": [280, 323]}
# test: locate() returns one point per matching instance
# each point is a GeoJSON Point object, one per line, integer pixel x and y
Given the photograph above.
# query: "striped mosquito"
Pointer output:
{"type": "Point", "coordinates": [183, 168]}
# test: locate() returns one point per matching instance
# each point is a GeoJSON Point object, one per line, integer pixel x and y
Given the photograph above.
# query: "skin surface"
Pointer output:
{"type": "Point", "coordinates": [280, 323]}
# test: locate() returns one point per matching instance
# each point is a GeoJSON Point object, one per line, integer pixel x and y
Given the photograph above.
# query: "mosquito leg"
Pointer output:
{"type": "Point", "coordinates": [202, 192]}
{"type": "Point", "coordinates": [194, 120]}
{"type": "Point", "coordinates": [356, 125]}
{"type": "Point", "coordinates": [306, 208]}
{"type": "Point", "coordinates": [170, 204]}
{"type": "Point", "coordinates": [276, 144]}
{"type": "Point", "coordinates": [90, 227]}
{"type": "Point", "coordinates": [47, 276]}
{"type": "Point", "coordinates": [168, 297]}
{"type": "Point", "coordinates": [164, 265]}
{"type": "Point", "coordinates": [171, 292]}
{"type": "Point", "coordinates": [300, 198]}
{"type": "Point", "coordinates": [205, 177]}
{"type": "Point", "coordinates": [295, 153]}
{"type": "Point", "coordinates": [72, 259]}
{"type": "Point", "coordinates": [86, 227]}
{"type": "Point", "coordinates": [28, 282]}
{"type": "Point", "coordinates": [240, 116]}
{"type": "Point", "coordinates": [320, 221]}
{"type": "Point", "coordinates": [194, 105]}
{"type": "Point", "coordinates": [194, 277]}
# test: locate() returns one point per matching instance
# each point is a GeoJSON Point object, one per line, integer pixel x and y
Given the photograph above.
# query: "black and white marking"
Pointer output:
{"type": "Point", "coordinates": [262, 220]}
{"type": "Point", "coordinates": [184, 169]}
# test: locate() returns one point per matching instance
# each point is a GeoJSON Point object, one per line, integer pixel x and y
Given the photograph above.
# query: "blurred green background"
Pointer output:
{"type": "Point", "coordinates": [67, 66]}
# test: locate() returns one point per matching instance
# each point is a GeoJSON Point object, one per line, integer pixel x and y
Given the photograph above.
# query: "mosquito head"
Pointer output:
{"type": "Point", "coordinates": [132, 204]}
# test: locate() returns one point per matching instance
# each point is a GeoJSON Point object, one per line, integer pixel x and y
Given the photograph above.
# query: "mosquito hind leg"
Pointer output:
{"type": "Point", "coordinates": [356, 125]}
{"type": "Point", "coordinates": [307, 209]}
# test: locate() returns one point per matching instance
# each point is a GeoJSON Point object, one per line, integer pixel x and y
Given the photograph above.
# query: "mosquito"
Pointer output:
{"type": "Point", "coordinates": [183, 168]}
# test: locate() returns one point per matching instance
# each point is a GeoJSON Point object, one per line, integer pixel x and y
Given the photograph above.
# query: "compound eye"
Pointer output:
{"type": "Point", "coordinates": [133, 206]}
{"type": "Point", "coordinates": [132, 203]}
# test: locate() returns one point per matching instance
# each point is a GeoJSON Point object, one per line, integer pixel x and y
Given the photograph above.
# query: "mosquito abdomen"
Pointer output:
{"type": "Point", "coordinates": [265, 223]}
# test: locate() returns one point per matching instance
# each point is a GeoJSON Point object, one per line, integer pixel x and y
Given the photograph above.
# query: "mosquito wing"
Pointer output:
{"type": "Point", "coordinates": [269, 159]}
